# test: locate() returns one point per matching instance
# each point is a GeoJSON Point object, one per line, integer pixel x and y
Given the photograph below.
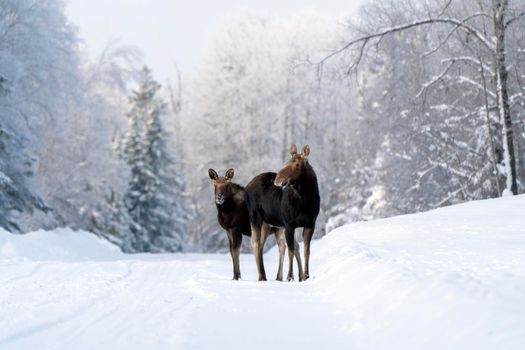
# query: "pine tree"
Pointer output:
{"type": "Point", "coordinates": [154, 198]}
{"type": "Point", "coordinates": [132, 152]}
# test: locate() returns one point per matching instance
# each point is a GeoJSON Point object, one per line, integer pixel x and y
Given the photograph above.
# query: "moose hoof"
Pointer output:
{"type": "Point", "coordinates": [290, 278]}
{"type": "Point", "coordinates": [236, 277]}
{"type": "Point", "coordinates": [279, 278]}
{"type": "Point", "coordinates": [306, 276]}
{"type": "Point", "coordinates": [262, 278]}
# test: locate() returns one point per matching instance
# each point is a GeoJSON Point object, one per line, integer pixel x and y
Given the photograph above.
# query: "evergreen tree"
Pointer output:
{"type": "Point", "coordinates": [154, 198]}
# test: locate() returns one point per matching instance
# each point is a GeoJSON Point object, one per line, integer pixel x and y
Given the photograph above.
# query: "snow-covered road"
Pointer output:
{"type": "Point", "coordinates": [157, 302]}
{"type": "Point", "coordinates": [453, 278]}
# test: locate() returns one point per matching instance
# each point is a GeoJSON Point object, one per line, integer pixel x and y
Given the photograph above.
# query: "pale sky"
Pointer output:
{"type": "Point", "coordinates": [176, 31]}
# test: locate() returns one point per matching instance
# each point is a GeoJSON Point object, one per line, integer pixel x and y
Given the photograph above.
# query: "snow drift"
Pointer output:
{"type": "Point", "coordinates": [452, 278]}
{"type": "Point", "coordinates": [61, 244]}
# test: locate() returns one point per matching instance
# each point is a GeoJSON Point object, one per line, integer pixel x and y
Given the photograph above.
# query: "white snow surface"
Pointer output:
{"type": "Point", "coordinates": [452, 278]}
{"type": "Point", "coordinates": [61, 244]}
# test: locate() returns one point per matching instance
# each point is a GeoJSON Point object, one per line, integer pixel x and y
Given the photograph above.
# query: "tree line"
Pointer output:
{"type": "Point", "coordinates": [407, 106]}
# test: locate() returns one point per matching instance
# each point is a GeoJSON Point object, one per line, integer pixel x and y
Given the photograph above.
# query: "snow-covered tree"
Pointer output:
{"type": "Point", "coordinates": [38, 68]}
{"type": "Point", "coordinates": [428, 82]}
{"type": "Point", "coordinates": [154, 199]}
{"type": "Point", "coordinates": [469, 37]}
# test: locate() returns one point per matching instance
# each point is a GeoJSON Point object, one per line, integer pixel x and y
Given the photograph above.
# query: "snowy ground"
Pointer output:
{"type": "Point", "coordinates": [453, 278]}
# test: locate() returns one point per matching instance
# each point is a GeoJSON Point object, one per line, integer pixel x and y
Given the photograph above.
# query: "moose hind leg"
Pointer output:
{"type": "Point", "coordinates": [308, 232]}
{"type": "Point", "coordinates": [281, 243]}
{"type": "Point", "coordinates": [290, 240]}
{"type": "Point", "coordinates": [265, 231]}
{"type": "Point", "coordinates": [257, 252]}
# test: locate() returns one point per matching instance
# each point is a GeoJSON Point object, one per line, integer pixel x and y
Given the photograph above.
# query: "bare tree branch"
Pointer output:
{"type": "Point", "coordinates": [442, 12]}
{"type": "Point", "coordinates": [435, 79]}
{"type": "Point", "coordinates": [513, 19]}
{"type": "Point", "coordinates": [457, 23]}
{"type": "Point", "coordinates": [471, 59]}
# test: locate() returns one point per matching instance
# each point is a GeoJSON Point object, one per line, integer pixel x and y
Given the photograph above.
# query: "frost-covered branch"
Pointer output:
{"type": "Point", "coordinates": [473, 60]}
{"type": "Point", "coordinates": [459, 24]}
{"type": "Point", "coordinates": [435, 79]}
{"type": "Point", "coordinates": [515, 18]}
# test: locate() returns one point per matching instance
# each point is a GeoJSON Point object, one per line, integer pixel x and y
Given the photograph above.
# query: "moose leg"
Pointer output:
{"type": "Point", "coordinates": [281, 243]}
{"type": "Point", "coordinates": [308, 232]}
{"type": "Point", "coordinates": [290, 240]}
{"type": "Point", "coordinates": [237, 240]}
{"type": "Point", "coordinates": [265, 232]}
{"type": "Point", "coordinates": [256, 243]}
{"type": "Point", "coordinates": [297, 253]}
{"type": "Point", "coordinates": [232, 253]}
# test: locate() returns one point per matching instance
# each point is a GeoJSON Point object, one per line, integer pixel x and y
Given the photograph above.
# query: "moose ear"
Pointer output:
{"type": "Point", "coordinates": [306, 151]}
{"type": "Point", "coordinates": [293, 150]}
{"type": "Point", "coordinates": [213, 174]}
{"type": "Point", "coordinates": [229, 174]}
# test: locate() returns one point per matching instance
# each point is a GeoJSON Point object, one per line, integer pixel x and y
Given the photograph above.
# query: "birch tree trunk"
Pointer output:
{"type": "Point", "coordinates": [500, 7]}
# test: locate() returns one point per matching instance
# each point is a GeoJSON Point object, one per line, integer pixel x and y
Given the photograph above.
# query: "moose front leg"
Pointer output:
{"type": "Point", "coordinates": [308, 232]}
{"type": "Point", "coordinates": [290, 240]}
{"type": "Point", "coordinates": [237, 240]}
{"type": "Point", "coordinates": [235, 246]}
{"type": "Point", "coordinates": [257, 252]}
{"type": "Point", "coordinates": [297, 252]}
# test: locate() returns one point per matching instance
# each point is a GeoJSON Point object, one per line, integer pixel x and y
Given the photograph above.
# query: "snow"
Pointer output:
{"type": "Point", "coordinates": [4, 179]}
{"type": "Point", "coordinates": [61, 245]}
{"type": "Point", "coordinates": [452, 278]}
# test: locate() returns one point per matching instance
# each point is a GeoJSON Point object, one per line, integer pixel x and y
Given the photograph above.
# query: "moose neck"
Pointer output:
{"type": "Point", "coordinates": [227, 205]}
{"type": "Point", "coordinates": [306, 184]}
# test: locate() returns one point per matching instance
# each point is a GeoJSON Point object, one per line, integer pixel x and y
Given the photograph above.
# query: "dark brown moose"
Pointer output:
{"type": "Point", "coordinates": [288, 199]}
{"type": "Point", "coordinates": [233, 217]}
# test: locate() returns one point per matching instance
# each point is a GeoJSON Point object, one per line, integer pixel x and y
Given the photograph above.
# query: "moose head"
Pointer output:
{"type": "Point", "coordinates": [292, 170]}
{"type": "Point", "coordinates": [222, 184]}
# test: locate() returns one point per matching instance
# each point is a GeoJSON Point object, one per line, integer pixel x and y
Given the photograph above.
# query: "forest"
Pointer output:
{"type": "Point", "coordinates": [407, 106]}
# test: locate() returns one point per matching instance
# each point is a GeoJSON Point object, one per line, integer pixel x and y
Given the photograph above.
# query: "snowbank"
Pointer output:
{"type": "Point", "coordinates": [451, 278]}
{"type": "Point", "coordinates": [60, 244]}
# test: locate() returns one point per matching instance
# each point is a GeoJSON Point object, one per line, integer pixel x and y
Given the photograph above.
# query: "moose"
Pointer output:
{"type": "Point", "coordinates": [232, 214]}
{"type": "Point", "coordinates": [288, 199]}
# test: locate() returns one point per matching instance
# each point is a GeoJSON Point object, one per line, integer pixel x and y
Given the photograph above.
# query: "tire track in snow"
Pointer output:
{"type": "Point", "coordinates": [31, 273]}
{"type": "Point", "coordinates": [66, 318]}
